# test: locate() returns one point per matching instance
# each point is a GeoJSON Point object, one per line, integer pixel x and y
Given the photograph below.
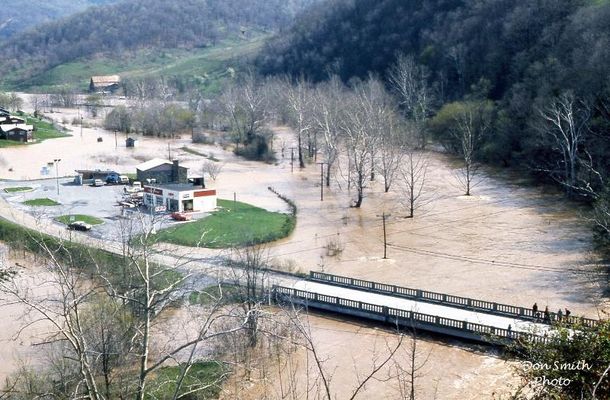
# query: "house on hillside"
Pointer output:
{"type": "Point", "coordinates": [161, 171]}
{"type": "Point", "coordinates": [104, 84]}
{"type": "Point", "coordinates": [4, 112]}
{"type": "Point", "coordinates": [17, 132]}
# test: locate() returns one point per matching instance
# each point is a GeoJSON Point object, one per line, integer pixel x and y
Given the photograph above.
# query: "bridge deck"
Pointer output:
{"type": "Point", "coordinates": [517, 325]}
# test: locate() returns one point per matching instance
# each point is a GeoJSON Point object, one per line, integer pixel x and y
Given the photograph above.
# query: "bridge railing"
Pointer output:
{"type": "Point", "coordinates": [450, 300]}
{"type": "Point", "coordinates": [406, 318]}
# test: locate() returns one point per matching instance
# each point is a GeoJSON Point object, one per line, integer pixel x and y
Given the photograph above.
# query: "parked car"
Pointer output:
{"type": "Point", "coordinates": [98, 182]}
{"type": "Point", "coordinates": [178, 216]}
{"type": "Point", "coordinates": [79, 226]}
{"type": "Point", "coordinates": [116, 179]}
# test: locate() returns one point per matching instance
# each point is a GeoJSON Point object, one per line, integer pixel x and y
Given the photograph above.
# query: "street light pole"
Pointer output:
{"type": "Point", "coordinates": [56, 162]}
{"type": "Point", "coordinates": [116, 143]}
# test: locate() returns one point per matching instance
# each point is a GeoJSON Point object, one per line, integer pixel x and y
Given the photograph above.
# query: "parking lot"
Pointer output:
{"type": "Point", "coordinates": [100, 202]}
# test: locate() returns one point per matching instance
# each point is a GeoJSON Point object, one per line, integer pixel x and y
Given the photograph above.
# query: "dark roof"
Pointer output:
{"type": "Point", "coordinates": [178, 187]}
{"type": "Point", "coordinates": [95, 171]}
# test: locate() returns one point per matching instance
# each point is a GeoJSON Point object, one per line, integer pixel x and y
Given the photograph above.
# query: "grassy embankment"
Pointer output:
{"type": "Point", "coordinates": [205, 67]}
{"type": "Point", "coordinates": [198, 153]}
{"type": "Point", "coordinates": [43, 130]}
{"type": "Point", "coordinates": [208, 374]}
{"type": "Point", "coordinates": [18, 189]}
{"type": "Point", "coordinates": [234, 224]}
{"type": "Point", "coordinates": [66, 219]}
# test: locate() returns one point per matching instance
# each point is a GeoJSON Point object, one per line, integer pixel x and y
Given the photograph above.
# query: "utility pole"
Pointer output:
{"type": "Point", "coordinates": [56, 162]}
{"type": "Point", "coordinates": [169, 152]}
{"type": "Point", "coordinates": [116, 143]}
{"type": "Point", "coordinates": [321, 180]}
{"type": "Point", "coordinates": [385, 239]}
{"type": "Point", "coordinates": [291, 159]}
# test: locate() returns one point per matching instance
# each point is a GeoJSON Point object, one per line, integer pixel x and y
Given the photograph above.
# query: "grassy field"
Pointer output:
{"type": "Point", "coordinates": [44, 130]}
{"type": "Point", "coordinates": [204, 67]}
{"type": "Point", "coordinates": [66, 219]}
{"type": "Point", "coordinates": [46, 202]}
{"type": "Point", "coordinates": [234, 224]}
{"type": "Point", "coordinates": [207, 375]}
{"type": "Point", "coordinates": [18, 189]}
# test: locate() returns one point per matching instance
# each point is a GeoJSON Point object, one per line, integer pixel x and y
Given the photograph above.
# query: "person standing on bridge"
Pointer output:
{"type": "Point", "coordinates": [559, 315]}
{"type": "Point", "coordinates": [547, 314]}
{"type": "Point", "coordinates": [535, 308]}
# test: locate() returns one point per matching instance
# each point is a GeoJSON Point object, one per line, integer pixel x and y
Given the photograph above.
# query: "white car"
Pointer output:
{"type": "Point", "coordinates": [98, 182]}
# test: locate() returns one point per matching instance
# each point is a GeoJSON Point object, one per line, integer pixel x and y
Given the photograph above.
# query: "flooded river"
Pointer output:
{"type": "Point", "coordinates": [507, 242]}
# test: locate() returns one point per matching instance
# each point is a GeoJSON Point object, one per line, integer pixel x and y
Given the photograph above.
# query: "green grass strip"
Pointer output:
{"type": "Point", "coordinates": [66, 219]}
{"type": "Point", "coordinates": [45, 202]}
{"type": "Point", "coordinates": [18, 189]}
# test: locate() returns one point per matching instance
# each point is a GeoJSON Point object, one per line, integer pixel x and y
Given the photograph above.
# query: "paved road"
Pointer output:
{"type": "Point", "coordinates": [497, 321]}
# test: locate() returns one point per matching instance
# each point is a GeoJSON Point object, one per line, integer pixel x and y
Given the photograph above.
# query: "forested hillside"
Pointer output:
{"type": "Point", "coordinates": [529, 79]}
{"type": "Point", "coordinates": [518, 54]}
{"type": "Point", "coordinates": [20, 15]}
{"type": "Point", "coordinates": [136, 24]}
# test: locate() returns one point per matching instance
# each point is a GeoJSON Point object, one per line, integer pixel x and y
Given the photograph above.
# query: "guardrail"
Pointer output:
{"type": "Point", "coordinates": [404, 318]}
{"type": "Point", "coordinates": [450, 300]}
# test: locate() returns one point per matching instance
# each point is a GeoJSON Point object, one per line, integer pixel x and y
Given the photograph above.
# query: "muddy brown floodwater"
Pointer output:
{"type": "Point", "coordinates": [506, 243]}
{"type": "Point", "coordinates": [19, 332]}
{"type": "Point", "coordinates": [350, 351]}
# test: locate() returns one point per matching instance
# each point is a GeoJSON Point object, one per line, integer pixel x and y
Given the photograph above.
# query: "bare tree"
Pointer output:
{"type": "Point", "coordinates": [249, 268]}
{"type": "Point", "coordinates": [63, 309]}
{"type": "Point", "coordinates": [326, 117]}
{"type": "Point", "coordinates": [244, 105]}
{"type": "Point", "coordinates": [565, 123]}
{"type": "Point", "coordinates": [472, 121]}
{"type": "Point", "coordinates": [408, 373]}
{"type": "Point", "coordinates": [323, 378]}
{"type": "Point", "coordinates": [211, 168]}
{"type": "Point", "coordinates": [413, 177]}
{"type": "Point", "coordinates": [391, 150]}
{"type": "Point", "coordinates": [149, 288]}
{"type": "Point", "coordinates": [38, 102]}
{"type": "Point", "coordinates": [299, 98]}
{"type": "Point", "coordinates": [365, 114]}
{"type": "Point", "coordinates": [354, 126]}
{"type": "Point", "coordinates": [410, 82]}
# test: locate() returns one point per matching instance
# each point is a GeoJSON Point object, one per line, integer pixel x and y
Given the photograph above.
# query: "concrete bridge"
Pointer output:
{"type": "Point", "coordinates": [408, 308]}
